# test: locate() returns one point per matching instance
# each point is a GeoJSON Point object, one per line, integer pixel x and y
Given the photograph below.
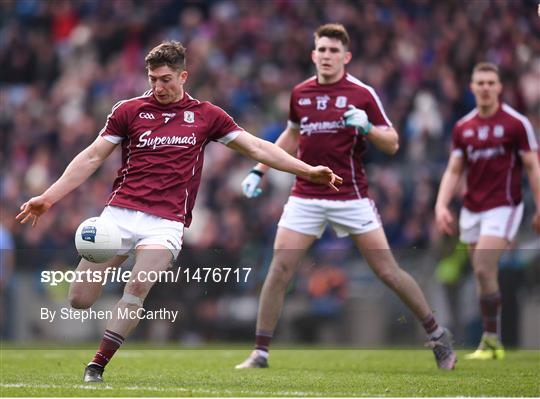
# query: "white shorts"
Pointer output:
{"type": "Point", "coordinates": [310, 216]}
{"type": "Point", "coordinates": [502, 221]}
{"type": "Point", "coordinates": [139, 228]}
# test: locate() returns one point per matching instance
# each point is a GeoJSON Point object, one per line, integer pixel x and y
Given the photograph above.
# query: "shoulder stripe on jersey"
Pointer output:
{"type": "Point", "coordinates": [124, 172]}
{"type": "Point", "coordinates": [191, 98]}
{"type": "Point", "coordinates": [526, 125]}
{"type": "Point", "coordinates": [307, 81]}
{"type": "Point", "coordinates": [351, 162]}
{"type": "Point", "coordinates": [193, 174]}
{"type": "Point", "coordinates": [509, 180]}
{"type": "Point", "coordinates": [356, 81]}
{"type": "Point", "coordinates": [147, 93]}
{"type": "Point", "coordinates": [222, 110]}
{"type": "Point", "coordinates": [467, 117]}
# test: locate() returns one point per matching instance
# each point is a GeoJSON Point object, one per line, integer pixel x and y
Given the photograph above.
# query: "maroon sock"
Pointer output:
{"type": "Point", "coordinates": [262, 340]}
{"type": "Point", "coordinates": [109, 345]}
{"type": "Point", "coordinates": [490, 307]}
{"type": "Point", "coordinates": [431, 327]}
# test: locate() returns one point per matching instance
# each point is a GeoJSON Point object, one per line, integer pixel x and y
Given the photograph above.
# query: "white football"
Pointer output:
{"type": "Point", "coordinates": [97, 240]}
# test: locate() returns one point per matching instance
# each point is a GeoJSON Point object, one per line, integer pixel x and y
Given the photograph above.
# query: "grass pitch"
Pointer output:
{"type": "Point", "coordinates": [306, 372]}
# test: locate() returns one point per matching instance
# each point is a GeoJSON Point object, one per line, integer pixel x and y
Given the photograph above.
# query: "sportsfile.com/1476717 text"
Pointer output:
{"type": "Point", "coordinates": [119, 275]}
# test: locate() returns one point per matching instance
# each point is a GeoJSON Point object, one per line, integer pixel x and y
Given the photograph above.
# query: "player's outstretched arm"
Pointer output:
{"type": "Point", "coordinates": [78, 170]}
{"type": "Point", "coordinates": [275, 157]}
{"type": "Point", "coordinates": [443, 217]}
{"type": "Point", "coordinates": [532, 166]}
{"type": "Point", "coordinates": [288, 140]}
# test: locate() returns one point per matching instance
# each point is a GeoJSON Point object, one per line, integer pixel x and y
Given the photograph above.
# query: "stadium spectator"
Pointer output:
{"type": "Point", "coordinates": [332, 117]}
{"type": "Point", "coordinates": [493, 144]}
{"type": "Point", "coordinates": [55, 106]}
{"type": "Point", "coordinates": [163, 133]}
{"type": "Point", "coordinates": [7, 265]}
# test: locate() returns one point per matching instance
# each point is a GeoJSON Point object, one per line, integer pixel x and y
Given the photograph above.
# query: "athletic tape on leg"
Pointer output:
{"type": "Point", "coordinates": [132, 299]}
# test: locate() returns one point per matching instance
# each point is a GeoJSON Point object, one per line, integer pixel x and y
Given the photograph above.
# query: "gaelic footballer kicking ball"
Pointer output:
{"type": "Point", "coordinates": [97, 240]}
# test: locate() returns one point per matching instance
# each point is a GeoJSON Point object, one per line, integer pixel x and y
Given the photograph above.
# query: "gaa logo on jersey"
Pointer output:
{"type": "Point", "coordinates": [88, 233]}
{"type": "Point", "coordinates": [189, 117]}
{"type": "Point", "coordinates": [468, 133]}
{"type": "Point", "coordinates": [146, 115]}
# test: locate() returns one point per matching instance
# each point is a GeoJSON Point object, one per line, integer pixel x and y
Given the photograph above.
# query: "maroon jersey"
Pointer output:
{"type": "Point", "coordinates": [317, 111]}
{"type": "Point", "coordinates": [491, 148]}
{"type": "Point", "coordinates": [162, 152]}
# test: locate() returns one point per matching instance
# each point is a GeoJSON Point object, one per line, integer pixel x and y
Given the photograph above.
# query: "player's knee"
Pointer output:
{"type": "Point", "coordinates": [483, 270]}
{"type": "Point", "coordinates": [281, 272]}
{"type": "Point", "coordinates": [78, 300]}
{"type": "Point", "coordinates": [483, 273]}
{"type": "Point", "coordinates": [389, 275]}
{"type": "Point", "coordinates": [80, 296]}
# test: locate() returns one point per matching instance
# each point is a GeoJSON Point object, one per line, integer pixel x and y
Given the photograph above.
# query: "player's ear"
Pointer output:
{"type": "Point", "coordinates": [313, 56]}
{"type": "Point", "coordinates": [348, 57]}
{"type": "Point", "coordinates": [183, 76]}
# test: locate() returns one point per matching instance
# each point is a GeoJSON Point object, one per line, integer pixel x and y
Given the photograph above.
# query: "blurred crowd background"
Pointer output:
{"type": "Point", "coordinates": [64, 64]}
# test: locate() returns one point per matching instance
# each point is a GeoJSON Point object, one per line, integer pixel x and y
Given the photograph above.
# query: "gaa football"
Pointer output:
{"type": "Point", "coordinates": [97, 240]}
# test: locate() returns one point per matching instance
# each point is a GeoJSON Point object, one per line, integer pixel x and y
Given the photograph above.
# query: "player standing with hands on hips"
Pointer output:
{"type": "Point", "coordinates": [332, 117]}
{"type": "Point", "coordinates": [492, 144]}
{"type": "Point", "coordinates": [163, 134]}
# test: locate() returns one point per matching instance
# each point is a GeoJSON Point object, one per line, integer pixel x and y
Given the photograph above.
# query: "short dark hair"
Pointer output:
{"type": "Point", "coordinates": [333, 31]}
{"type": "Point", "coordinates": [170, 53]}
{"type": "Point", "coordinates": [486, 67]}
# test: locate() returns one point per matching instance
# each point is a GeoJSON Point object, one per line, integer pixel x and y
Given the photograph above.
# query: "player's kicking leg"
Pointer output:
{"type": "Point", "coordinates": [83, 294]}
{"type": "Point", "coordinates": [485, 260]}
{"type": "Point", "coordinates": [376, 251]}
{"type": "Point", "coordinates": [289, 248]}
{"type": "Point", "coordinates": [148, 258]}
